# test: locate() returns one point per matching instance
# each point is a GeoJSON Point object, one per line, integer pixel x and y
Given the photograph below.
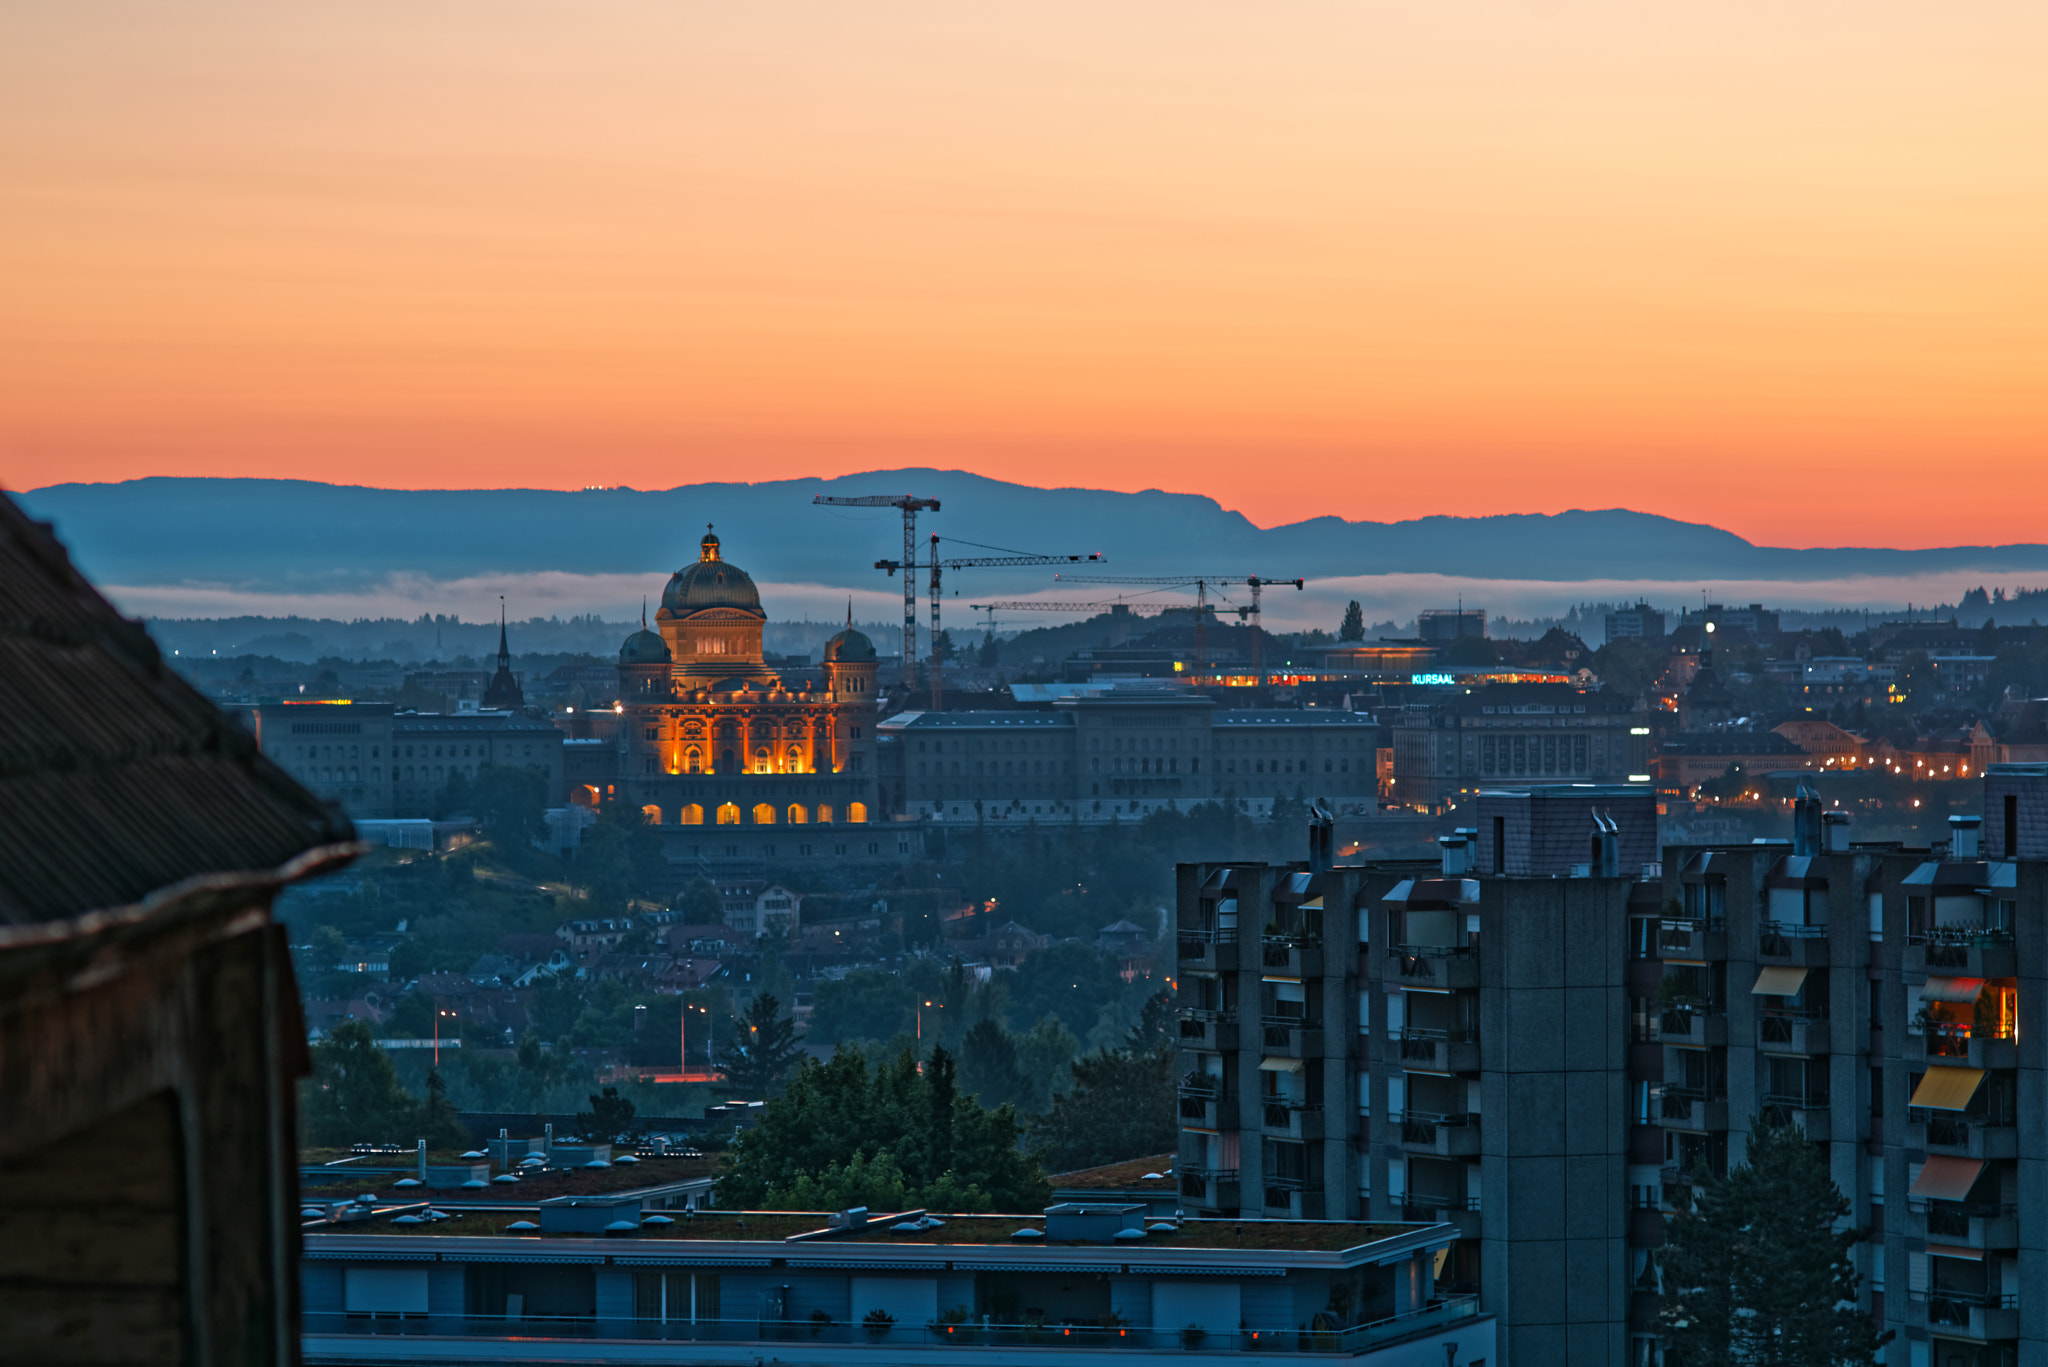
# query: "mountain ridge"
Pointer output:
{"type": "Point", "coordinates": [175, 529]}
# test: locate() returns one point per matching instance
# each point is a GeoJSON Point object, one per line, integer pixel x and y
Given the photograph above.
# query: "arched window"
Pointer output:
{"type": "Point", "coordinates": [690, 815]}
{"type": "Point", "coordinates": [584, 796]}
{"type": "Point", "coordinates": [764, 814]}
{"type": "Point", "coordinates": [761, 764]}
{"type": "Point", "coordinates": [824, 813]}
{"type": "Point", "coordinates": [856, 812]}
{"type": "Point", "coordinates": [728, 814]}
{"type": "Point", "coordinates": [693, 761]}
{"type": "Point", "coordinates": [726, 762]}
{"type": "Point", "coordinates": [795, 761]}
{"type": "Point", "coordinates": [797, 815]}
{"type": "Point", "coordinates": [652, 813]}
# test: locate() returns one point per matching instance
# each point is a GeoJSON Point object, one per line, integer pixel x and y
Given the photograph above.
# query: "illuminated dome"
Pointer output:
{"type": "Point", "coordinates": [849, 647]}
{"type": "Point", "coordinates": [644, 647]}
{"type": "Point", "coordinates": [710, 583]}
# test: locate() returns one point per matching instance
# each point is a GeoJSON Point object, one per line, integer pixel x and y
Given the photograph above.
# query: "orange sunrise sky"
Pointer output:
{"type": "Point", "coordinates": [1783, 268]}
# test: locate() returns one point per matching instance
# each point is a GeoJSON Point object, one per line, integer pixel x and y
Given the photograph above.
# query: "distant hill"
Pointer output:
{"type": "Point", "coordinates": [301, 534]}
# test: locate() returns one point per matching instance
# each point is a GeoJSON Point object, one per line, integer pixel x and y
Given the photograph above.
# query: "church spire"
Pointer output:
{"type": "Point", "coordinates": [504, 651]}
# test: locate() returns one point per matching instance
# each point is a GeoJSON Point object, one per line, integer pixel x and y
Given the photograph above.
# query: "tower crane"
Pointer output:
{"type": "Point", "coordinates": [1254, 582]}
{"type": "Point", "coordinates": [911, 505]}
{"type": "Point", "coordinates": [937, 565]}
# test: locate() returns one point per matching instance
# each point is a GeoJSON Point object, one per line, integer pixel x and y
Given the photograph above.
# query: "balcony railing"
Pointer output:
{"type": "Point", "coordinates": [1685, 939]}
{"type": "Point", "coordinates": [1951, 1219]}
{"type": "Point", "coordinates": [1203, 1086]}
{"type": "Point", "coordinates": [1086, 1334]}
{"type": "Point", "coordinates": [1947, 1129]}
{"type": "Point", "coordinates": [1950, 1309]}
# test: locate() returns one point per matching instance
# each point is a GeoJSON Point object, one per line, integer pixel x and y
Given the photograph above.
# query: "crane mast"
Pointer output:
{"type": "Point", "coordinates": [911, 504]}
{"type": "Point", "coordinates": [937, 566]}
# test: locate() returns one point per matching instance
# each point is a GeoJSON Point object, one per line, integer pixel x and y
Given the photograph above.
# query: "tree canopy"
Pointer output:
{"type": "Point", "coordinates": [354, 1096]}
{"type": "Point", "coordinates": [759, 1050]}
{"type": "Point", "coordinates": [1120, 1106]}
{"type": "Point", "coordinates": [1757, 1273]}
{"type": "Point", "coordinates": [887, 1139]}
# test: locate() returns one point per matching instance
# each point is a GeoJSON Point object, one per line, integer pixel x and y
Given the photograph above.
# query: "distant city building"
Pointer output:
{"type": "Point", "coordinates": [1639, 623]}
{"type": "Point", "coordinates": [1756, 619]}
{"type": "Point", "coordinates": [1121, 753]}
{"type": "Point", "coordinates": [1437, 626]}
{"type": "Point", "coordinates": [379, 762]}
{"type": "Point", "coordinates": [1516, 735]}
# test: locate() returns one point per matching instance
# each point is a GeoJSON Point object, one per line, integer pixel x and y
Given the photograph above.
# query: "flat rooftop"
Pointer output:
{"type": "Point", "coordinates": [776, 1228]}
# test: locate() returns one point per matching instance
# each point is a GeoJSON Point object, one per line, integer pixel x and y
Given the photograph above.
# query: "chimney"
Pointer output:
{"type": "Point", "coordinates": [1606, 848]}
{"type": "Point", "coordinates": [1457, 854]}
{"type": "Point", "coordinates": [1834, 832]}
{"type": "Point", "coordinates": [1322, 839]}
{"type": "Point", "coordinates": [1966, 837]}
{"type": "Point", "coordinates": [1806, 820]}
{"type": "Point", "coordinates": [547, 1139]}
{"type": "Point", "coordinates": [422, 1173]}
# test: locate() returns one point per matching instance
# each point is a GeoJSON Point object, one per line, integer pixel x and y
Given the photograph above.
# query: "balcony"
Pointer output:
{"type": "Point", "coordinates": [1810, 1115]}
{"type": "Point", "coordinates": [1687, 1108]}
{"type": "Point", "coordinates": [1294, 956]}
{"type": "Point", "coordinates": [1290, 1037]}
{"type": "Point", "coordinates": [1695, 940]}
{"type": "Point", "coordinates": [1454, 1135]}
{"type": "Point", "coordinates": [1963, 1136]}
{"type": "Point", "coordinates": [1436, 965]}
{"type": "Point", "coordinates": [1780, 942]}
{"type": "Point", "coordinates": [1961, 951]}
{"type": "Point", "coordinates": [1214, 1031]}
{"type": "Point", "coordinates": [1206, 1103]}
{"type": "Point", "coordinates": [1208, 951]}
{"type": "Point", "coordinates": [1987, 1225]}
{"type": "Point", "coordinates": [1292, 1119]}
{"type": "Point", "coordinates": [1692, 1024]}
{"type": "Point", "coordinates": [1960, 1046]}
{"type": "Point", "coordinates": [1282, 1193]}
{"type": "Point", "coordinates": [1425, 1209]}
{"type": "Point", "coordinates": [1792, 1032]}
{"type": "Point", "coordinates": [1971, 1314]}
{"type": "Point", "coordinates": [1439, 1051]}
{"type": "Point", "coordinates": [1210, 1188]}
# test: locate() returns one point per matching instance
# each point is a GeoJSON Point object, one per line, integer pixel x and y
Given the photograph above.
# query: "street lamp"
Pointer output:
{"type": "Point", "coordinates": [438, 1013]}
{"type": "Point", "coordinates": [683, 1052]}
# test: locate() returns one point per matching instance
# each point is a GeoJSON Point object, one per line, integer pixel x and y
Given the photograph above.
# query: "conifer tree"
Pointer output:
{"type": "Point", "coordinates": [1353, 628]}
{"type": "Point", "coordinates": [1756, 1272]}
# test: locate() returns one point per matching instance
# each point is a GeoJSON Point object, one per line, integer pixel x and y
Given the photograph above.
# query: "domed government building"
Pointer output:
{"type": "Point", "coordinates": [710, 734]}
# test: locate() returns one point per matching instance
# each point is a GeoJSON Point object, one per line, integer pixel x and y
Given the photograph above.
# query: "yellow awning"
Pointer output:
{"type": "Point", "coordinates": [1947, 1179]}
{"type": "Point", "coordinates": [1952, 990]}
{"type": "Point", "coordinates": [1947, 1089]}
{"type": "Point", "coordinates": [1279, 1065]}
{"type": "Point", "coordinates": [1778, 982]}
{"type": "Point", "coordinates": [1313, 904]}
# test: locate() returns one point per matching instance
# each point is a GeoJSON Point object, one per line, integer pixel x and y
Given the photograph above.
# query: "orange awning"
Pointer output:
{"type": "Point", "coordinates": [1947, 1089]}
{"type": "Point", "coordinates": [1947, 1179]}
{"type": "Point", "coordinates": [1975, 1255]}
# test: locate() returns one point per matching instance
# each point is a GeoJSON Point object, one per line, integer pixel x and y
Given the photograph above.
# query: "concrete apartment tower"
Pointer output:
{"type": "Point", "coordinates": [1541, 1036]}
{"type": "Point", "coordinates": [1351, 1029]}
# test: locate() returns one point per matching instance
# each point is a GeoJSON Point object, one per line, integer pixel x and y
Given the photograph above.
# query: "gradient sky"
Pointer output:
{"type": "Point", "coordinates": [1783, 268]}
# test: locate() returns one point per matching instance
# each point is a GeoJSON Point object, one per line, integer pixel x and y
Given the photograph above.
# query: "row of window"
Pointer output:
{"type": "Point", "coordinates": [311, 753]}
{"type": "Point", "coordinates": [1143, 745]}
{"type": "Point", "coordinates": [762, 814]}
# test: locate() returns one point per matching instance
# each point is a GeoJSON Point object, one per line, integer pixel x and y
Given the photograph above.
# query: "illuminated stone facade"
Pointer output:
{"type": "Point", "coordinates": [710, 734]}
